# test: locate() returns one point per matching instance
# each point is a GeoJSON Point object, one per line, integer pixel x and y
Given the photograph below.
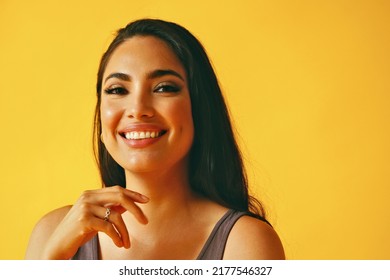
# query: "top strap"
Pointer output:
{"type": "Point", "coordinates": [214, 247]}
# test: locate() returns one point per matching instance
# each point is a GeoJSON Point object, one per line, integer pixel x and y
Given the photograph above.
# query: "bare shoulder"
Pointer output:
{"type": "Point", "coordinates": [251, 238]}
{"type": "Point", "coordinates": [43, 230]}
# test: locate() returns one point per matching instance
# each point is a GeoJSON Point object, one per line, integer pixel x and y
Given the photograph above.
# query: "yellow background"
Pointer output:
{"type": "Point", "coordinates": [308, 87]}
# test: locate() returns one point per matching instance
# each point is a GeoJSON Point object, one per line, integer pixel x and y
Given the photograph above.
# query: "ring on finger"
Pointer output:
{"type": "Point", "coordinates": [107, 215]}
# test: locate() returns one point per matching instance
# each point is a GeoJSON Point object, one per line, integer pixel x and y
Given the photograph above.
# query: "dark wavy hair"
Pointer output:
{"type": "Point", "coordinates": [216, 169]}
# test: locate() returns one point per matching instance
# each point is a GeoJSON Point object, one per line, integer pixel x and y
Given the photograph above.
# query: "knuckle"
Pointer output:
{"type": "Point", "coordinates": [121, 196]}
{"type": "Point", "coordinates": [84, 207]}
{"type": "Point", "coordinates": [117, 188]}
{"type": "Point", "coordinates": [115, 217]}
{"type": "Point", "coordinates": [85, 196]}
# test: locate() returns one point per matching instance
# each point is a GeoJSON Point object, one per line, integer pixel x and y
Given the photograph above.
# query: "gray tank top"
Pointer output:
{"type": "Point", "coordinates": [213, 249]}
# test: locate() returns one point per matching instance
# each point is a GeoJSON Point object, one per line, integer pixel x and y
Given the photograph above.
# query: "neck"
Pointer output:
{"type": "Point", "coordinates": [168, 191]}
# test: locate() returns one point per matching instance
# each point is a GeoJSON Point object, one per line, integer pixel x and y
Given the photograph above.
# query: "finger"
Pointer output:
{"type": "Point", "coordinates": [116, 219]}
{"type": "Point", "coordinates": [130, 206]}
{"type": "Point", "coordinates": [108, 229]}
{"type": "Point", "coordinates": [114, 198]}
{"type": "Point", "coordinates": [131, 194]}
{"type": "Point", "coordinates": [92, 219]}
{"type": "Point", "coordinates": [135, 195]}
{"type": "Point", "coordinates": [118, 209]}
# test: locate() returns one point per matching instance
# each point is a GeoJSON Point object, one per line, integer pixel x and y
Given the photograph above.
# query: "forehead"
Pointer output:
{"type": "Point", "coordinates": [142, 54]}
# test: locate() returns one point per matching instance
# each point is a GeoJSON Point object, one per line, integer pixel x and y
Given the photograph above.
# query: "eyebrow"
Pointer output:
{"type": "Point", "coordinates": [152, 75]}
{"type": "Point", "coordinates": [164, 72]}
{"type": "Point", "coordinates": [120, 76]}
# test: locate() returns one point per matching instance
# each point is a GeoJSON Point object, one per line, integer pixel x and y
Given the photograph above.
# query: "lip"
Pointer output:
{"type": "Point", "coordinates": [141, 143]}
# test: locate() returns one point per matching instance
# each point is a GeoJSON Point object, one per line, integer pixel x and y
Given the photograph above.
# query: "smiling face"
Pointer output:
{"type": "Point", "coordinates": [145, 109]}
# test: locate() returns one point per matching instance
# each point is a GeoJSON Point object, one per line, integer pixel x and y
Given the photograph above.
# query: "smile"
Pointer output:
{"type": "Point", "coordinates": [139, 135]}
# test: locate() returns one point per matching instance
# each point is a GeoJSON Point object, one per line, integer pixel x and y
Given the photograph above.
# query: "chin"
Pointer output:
{"type": "Point", "coordinates": [140, 166]}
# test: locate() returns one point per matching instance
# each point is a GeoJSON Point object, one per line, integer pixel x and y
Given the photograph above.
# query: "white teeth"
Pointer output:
{"type": "Point", "coordinates": [142, 135]}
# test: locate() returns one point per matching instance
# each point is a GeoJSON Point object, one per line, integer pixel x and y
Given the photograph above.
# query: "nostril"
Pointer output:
{"type": "Point", "coordinates": [141, 113]}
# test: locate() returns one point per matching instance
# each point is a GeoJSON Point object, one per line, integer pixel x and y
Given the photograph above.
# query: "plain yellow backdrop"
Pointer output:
{"type": "Point", "coordinates": [307, 83]}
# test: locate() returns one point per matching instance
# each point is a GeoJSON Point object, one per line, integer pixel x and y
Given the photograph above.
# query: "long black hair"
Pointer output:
{"type": "Point", "coordinates": [216, 169]}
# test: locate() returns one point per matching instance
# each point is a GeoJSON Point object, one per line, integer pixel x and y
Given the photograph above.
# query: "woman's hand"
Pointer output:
{"type": "Point", "coordinates": [86, 217]}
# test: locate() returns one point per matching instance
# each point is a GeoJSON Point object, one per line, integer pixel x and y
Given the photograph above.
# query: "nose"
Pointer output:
{"type": "Point", "coordinates": [139, 105]}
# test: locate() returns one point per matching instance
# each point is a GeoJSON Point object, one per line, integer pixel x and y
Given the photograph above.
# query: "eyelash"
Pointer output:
{"type": "Point", "coordinates": [116, 90]}
{"type": "Point", "coordinates": [158, 89]}
{"type": "Point", "coordinates": [167, 89]}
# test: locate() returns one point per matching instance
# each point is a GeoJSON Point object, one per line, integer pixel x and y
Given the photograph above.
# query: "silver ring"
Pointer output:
{"type": "Point", "coordinates": [107, 215]}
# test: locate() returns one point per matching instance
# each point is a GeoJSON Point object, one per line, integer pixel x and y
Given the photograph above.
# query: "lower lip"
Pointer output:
{"type": "Point", "coordinates": [141, 143]}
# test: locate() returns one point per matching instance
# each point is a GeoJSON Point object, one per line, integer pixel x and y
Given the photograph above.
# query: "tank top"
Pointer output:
{"type": "Point", "coordinates": [213, 249]}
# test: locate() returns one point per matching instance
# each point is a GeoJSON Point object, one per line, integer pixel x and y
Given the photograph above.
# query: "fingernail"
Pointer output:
{"type": "Point", "coordinates": [144, 198]}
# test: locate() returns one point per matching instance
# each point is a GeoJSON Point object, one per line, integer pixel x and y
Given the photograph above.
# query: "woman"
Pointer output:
{"type": "Point", "coordinates": [174, 185]}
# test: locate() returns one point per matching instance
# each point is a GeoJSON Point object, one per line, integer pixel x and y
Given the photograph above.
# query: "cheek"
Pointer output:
{"type": "Point", "coordinates": [182, 115]}
{"type": "Point", "coordinates": [110, 116]}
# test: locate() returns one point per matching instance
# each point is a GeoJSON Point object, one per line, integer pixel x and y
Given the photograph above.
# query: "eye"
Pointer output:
{"type": "Point", "coordinates": [167, 88]}
{"type": "Point", "coordinates": [116, 90]}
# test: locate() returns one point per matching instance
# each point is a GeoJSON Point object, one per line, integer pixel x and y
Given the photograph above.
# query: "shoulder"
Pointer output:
{"type": "Point", "coordinates": [251, 238]}
{"type": "Point", "coordinates": [43, 230]}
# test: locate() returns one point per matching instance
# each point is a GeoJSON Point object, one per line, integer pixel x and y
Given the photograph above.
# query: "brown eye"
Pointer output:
{"type": "Point", "coordinates": [116, 90]}
{"type": "Point", "coordinates": [167, 88]}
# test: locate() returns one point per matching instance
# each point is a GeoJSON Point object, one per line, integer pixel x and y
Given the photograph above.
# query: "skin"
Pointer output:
{"type": "Point", "coordinates": [145, 89]}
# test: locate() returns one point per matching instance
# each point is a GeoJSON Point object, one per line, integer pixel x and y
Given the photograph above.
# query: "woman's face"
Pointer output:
{"type": "Point", "coordinates": [145, 107]}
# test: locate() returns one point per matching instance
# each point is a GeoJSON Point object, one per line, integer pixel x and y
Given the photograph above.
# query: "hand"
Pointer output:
{"type": "Point", "coordinates": [86, 218]}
